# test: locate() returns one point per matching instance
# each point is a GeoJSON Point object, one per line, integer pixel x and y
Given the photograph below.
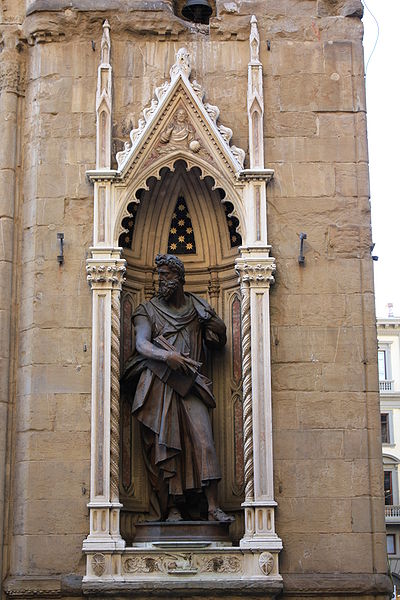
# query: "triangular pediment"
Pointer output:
{"type": "Point", "coordinates": [178, 123]}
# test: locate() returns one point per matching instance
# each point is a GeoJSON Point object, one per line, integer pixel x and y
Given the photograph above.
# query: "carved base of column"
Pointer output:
{"type": "Point", "coordinates": [199, 566]}
{"type": "Point", "coordinates": [104, 528]}
{"type": "Point", "coordinates": [259, 520]}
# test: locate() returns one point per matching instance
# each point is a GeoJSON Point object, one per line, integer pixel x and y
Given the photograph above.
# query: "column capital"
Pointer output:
{"type": "Point", "coordinates": [12, 76]}
{"type": "Point", "coordinates": [256, 271]}
{"type": "Point", "coordinates": [105, 274]}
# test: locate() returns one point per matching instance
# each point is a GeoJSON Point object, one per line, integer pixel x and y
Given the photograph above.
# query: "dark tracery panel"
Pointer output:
{"type": "Point", "coordinates": [181, 235]}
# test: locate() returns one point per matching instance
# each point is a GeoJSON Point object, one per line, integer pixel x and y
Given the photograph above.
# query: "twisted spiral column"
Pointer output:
{"type": "Point", "coordinates": [247, 395]}
{"type": "Point", "coordinates": [115, 394]}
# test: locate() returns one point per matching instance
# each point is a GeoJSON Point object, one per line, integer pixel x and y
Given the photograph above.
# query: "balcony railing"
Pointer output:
{"type": "Point", "coordinates": [386, 385]}
{"type": "Point", "coordinates": [392, 513]}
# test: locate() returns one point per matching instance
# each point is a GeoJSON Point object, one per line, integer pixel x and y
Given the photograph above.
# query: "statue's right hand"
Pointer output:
{"type": "Point", "coordinates": [176, 361]}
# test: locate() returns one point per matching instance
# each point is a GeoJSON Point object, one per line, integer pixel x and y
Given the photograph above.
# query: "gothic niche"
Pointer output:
{"type": "Point", "coordinates": [183, 204]}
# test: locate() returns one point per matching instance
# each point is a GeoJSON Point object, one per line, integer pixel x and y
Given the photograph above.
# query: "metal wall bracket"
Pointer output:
{"type": "Point", "coordinates": [303, 236]}
{"type": "Point", "coordinates": [60, 257]}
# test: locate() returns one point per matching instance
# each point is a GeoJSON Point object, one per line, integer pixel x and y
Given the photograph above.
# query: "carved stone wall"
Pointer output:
{"type": "Point", "coordinates": [325, 414]}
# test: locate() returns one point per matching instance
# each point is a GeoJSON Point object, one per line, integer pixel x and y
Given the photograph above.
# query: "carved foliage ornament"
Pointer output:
{"type": "Point", "coordinates": [106, 275]}
{"type": "Point", "coordinates": [182, 563]}
{"type": "Point", "coordinates": [11, 78]}
{"type": "Point", "coordinates": [181, 68]}
{"type": "Point", "coordinates": [256, 274]}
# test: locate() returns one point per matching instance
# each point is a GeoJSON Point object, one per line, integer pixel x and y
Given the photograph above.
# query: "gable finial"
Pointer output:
{"type": "Point", "coordinates": [181, 65]}
{"type": "Point", "coordinates": [105, 43]}
{"type": "Point", "coordinates": [255, 100]}
{"type": "Point", "coordinates": [254, 42]}
{"type": "Point", "coordinates": [104, 102]}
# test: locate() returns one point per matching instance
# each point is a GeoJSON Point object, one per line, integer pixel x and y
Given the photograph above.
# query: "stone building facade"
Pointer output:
{"type": "Point", "coordinates": [114, 114]}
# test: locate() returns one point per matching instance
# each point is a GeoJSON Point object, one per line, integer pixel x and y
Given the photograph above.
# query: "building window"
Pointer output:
{"type": "Point", "coordinates": [385, 368]}
{"type": "Point", "coordinates": [386, 428]}
{"type": "Point", "coordinates": [382, 365]}
{"type": "Point", "coordinates": [391, 543]}
{"type": "Point", "coordinates": [388, 487]}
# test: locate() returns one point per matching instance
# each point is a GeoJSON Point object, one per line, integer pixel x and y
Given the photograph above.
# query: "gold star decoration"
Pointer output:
{"type": "Point", "coordinates": [181, 235]}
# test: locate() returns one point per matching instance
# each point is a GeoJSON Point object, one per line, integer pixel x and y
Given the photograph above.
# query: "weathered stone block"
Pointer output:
{"type": "Point", "coordinates": [308, 444]}
{"type": "Point", "coordinates": [6, 238]}
{"type": "Point", "coordinates": [313, 150]}
{"type": "Point", "coordinates": [42, 517]}
{"type": "Point", "coordinates": [291, 124]}
{"type": "Point", "coordinates": [302, 179]}
{"type": "Point", "coordinates": [329, 515]}
{"type": "Point", "coordinates": [316, 410]}
{"type": "Point", "coordinates": [318, 344]}
{"type": "Point", "coordinates": [31, 553]}
{"type": "Point", "coordinates": [7, 186]}
{"type": "Point", "coordinates": [52, 379]}
{"type": "Point", "coordinates": [40, 479]}
{"type": "Point", "coordinates": [288, 57]}
{"type": "Point", "coordinates": [310, 92]}
{"type": "Point", "coordinates": [329, 552]}
{"type": "Point", "coordinates": [52, 445]}
{"type": "Point", "coordinates": [5, 288]}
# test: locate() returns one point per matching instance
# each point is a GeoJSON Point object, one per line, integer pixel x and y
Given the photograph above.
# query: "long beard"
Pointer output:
{"type": "Point", "coordinates": [167, 288]}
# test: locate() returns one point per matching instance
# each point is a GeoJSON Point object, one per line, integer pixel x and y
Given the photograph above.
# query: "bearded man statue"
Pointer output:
{"type": "Point", "coordinates": [172, 397]}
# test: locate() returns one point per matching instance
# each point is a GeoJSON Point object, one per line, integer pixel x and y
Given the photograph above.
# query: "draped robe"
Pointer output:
{"type": "Point", "coordinates": [177, 435]}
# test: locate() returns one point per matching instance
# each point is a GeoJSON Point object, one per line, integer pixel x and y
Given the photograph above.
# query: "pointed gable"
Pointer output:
{"type": "Point", "coordinates": [177, 121]}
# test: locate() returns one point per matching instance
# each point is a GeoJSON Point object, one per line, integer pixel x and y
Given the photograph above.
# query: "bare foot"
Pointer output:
{"type": "Point", "coordinates": [217, 514]}
{"type": "Point", "coordinates": [174, 515]}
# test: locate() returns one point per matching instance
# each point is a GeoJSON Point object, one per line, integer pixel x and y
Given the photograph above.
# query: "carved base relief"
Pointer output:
{"type": "Point", "coordinates": [154, 564]}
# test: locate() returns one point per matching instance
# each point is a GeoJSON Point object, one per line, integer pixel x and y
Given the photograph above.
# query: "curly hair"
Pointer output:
{"type": "Point", "coordinates": [173, 262]}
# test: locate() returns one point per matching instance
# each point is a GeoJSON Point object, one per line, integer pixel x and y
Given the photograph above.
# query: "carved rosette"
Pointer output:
{"type": "Point", "coordinates": [266, 563]}
{"type": "Point", "coordinates": [98, 564]}
{"type": "Point", "coordinates": [106, 276]}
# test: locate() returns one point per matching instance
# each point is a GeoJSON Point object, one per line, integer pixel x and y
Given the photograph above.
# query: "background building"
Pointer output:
{"type": "Point", "coordinates": [389, 385]}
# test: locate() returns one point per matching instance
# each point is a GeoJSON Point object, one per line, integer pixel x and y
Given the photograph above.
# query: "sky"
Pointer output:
{"type": "Point", "coordinates": [383, 118]}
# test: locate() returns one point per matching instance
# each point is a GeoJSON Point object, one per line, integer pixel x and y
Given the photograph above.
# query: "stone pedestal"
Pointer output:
{"type": "Point", "coordinates": [184, 569]}
{"type": "Point", "coordinates": [182, 531]}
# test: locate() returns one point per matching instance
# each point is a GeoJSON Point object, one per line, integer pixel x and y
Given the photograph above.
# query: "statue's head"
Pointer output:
{"type": "Point", "coordinates": [171, 274]}
{"type": "Point", "coordinates": [181, 115]}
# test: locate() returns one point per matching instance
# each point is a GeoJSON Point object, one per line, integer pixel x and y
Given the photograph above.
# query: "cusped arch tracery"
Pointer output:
{"type": "Point", "coordinates": [133, 192]}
